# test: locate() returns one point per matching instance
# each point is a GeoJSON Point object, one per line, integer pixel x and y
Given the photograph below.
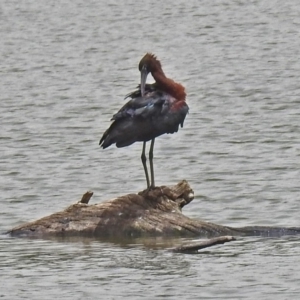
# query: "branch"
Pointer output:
{"type": "Point", "coordinates": [194, 247]}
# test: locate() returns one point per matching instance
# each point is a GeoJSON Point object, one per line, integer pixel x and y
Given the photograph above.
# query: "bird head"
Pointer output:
{"type": "Point", "coordinates": [148, 64]}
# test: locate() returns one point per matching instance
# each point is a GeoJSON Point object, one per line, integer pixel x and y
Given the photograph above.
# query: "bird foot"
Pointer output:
{"type": "Point", "coordinates": [180, 193]}
{"type": "Point", "coordinates": [152, 191]}
{"type": "Point", "coordinates": [152, 187]}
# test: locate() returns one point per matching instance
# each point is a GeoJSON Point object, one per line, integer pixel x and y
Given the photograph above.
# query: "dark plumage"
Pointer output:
{"type": "Point", "coordinates": [152, 111]}
{"type": "Point", "coordinates": [143, 119]}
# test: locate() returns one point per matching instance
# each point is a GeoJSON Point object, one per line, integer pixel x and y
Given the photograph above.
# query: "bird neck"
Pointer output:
{"type": "Point", "coordinates": [168, 85]}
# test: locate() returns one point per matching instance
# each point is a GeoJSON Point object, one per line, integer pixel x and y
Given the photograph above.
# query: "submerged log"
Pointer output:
{"type": "Point", "coordinates": [155, 212]}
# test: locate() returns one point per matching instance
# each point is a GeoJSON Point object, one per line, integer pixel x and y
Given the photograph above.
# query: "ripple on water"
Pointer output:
{"type": "Point", "coordinates": [64, 73]}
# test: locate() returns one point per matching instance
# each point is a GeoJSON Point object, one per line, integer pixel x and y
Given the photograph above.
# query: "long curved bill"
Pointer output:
{"type": "Point", "coordinates": [144, 74]}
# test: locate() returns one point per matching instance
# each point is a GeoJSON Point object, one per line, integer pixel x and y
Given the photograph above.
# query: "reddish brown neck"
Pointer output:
{"type": "Point", "coordinates": [168, 85]}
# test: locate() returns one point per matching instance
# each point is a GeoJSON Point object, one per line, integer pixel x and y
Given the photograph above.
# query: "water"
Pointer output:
{"type": "Point", "coordinates": [64, 70]}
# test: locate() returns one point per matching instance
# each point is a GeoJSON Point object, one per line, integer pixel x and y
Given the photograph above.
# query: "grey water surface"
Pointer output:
{"type": "Point", "coordinates": [65, 67]}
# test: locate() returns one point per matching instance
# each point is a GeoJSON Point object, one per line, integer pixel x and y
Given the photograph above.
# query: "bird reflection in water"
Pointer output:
{"type": "Point", "coordinates": [154, 109]}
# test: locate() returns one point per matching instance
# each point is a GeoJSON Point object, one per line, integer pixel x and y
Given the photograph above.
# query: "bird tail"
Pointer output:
{"type": "Point", "coordinates": [105, 140]}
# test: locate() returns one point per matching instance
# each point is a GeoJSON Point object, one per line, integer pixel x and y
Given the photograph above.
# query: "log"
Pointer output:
{"type": "Point", "coordinates": [154, 212]}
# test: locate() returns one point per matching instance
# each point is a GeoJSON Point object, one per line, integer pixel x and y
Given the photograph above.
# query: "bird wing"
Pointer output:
{"type": "Point", "coordinates": [137, 93]}
{"type": "Point", "coordinates": [144, 118]}
{"type": "Point", "coordinates": [142, 107]}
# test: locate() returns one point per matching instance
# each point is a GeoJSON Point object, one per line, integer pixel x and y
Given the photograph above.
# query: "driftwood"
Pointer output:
{"type": "Point", "coordinates": [155, 212]}
{"type": "Point", "coordinates": [195, 247]}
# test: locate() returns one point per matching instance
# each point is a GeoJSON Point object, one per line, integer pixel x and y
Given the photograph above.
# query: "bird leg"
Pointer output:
{"type": "Point", "coordinates": [144, 159]}
{"type": "Point", "coordinates": [151, 163]}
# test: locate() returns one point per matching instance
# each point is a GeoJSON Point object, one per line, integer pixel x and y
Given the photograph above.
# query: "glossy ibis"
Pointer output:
{"type": "Point", "coordinates": [153, 110]}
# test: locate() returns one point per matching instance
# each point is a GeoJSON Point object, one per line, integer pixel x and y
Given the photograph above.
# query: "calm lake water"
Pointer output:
{"type": "Point", "coordinates": [65, 68]}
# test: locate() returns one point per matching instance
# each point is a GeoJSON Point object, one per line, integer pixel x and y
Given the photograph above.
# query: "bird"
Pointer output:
{"type": "Point", "coordinates": [154, 109]}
